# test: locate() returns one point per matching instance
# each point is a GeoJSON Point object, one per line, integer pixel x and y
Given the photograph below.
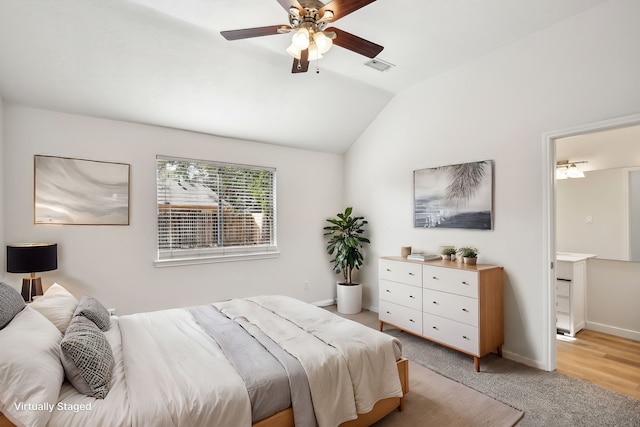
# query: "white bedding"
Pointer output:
{"type": "Point", "coordinates": [77, 409]}
{"type": "Point", "coordinates": [350, 367]}
{"type": "Point", "coordinates": [169, 372]}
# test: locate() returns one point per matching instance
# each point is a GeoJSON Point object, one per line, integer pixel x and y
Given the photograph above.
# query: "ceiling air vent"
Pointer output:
{"type": "Point", "coordinates": [379, 64]}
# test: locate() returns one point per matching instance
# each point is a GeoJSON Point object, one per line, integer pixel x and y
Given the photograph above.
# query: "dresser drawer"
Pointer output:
{"type": "Point", "coordinates": [455, 334]}
{"type": "Point", "coordinates": [563, 305]}
{"type": "Point", "coordinates": [563, 288]}
{"type": "Point", "coordinates": [451, 280]}
{"type": "Point", "coordinates": [402, 317]}
{"type": "Point", "coordinates": [563, 321]}
{"type": "Point", "coordinates": [399, 293]}
{"type": "Point", "coordinates": [456, 307]}
{"type": "Point", "coordinates": [399, 271]}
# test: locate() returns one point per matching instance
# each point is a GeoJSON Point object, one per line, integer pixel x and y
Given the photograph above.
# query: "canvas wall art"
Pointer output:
{"type": "Point", "coordinates": [81, 192]}
{"type": "Point", "coordinates": [454, 196]}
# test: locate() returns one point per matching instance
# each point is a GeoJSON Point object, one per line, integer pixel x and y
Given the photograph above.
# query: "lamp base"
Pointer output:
{"type": "Point", "coordinates": [31, 286]}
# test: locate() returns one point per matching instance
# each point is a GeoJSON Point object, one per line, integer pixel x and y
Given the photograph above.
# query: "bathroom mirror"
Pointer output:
{"type": "Point", "coordinates": [600, 213]}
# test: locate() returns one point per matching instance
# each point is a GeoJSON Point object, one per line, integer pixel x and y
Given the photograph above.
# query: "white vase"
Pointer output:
{"type": "Point", "coordinates": [470, 261]}
{"type": "Point", "coordinates": [349, 298]}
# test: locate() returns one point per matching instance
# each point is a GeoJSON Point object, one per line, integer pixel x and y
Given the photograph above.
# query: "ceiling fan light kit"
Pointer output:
{"type": "Point", "coordinates": [308, 20]}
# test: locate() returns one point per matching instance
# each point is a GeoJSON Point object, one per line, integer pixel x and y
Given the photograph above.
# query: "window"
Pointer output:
{"type": "Point", "coordinates": [211, 210]}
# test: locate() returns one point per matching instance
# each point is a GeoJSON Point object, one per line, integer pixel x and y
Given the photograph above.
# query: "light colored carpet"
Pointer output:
{"type": "Point", "coordinates": [434, 400]}
{"type": "Point", "coordinates": [547, 398]}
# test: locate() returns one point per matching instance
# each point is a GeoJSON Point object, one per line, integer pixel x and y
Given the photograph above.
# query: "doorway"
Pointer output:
{"type": "Point", "coordinates": [549, 220]}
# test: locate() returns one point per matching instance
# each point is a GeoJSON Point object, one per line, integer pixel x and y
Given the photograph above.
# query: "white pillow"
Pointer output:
{"type": "Point", "coordinates": [58, 305]}
{"type": "Point", "coordinates": [31, 373]}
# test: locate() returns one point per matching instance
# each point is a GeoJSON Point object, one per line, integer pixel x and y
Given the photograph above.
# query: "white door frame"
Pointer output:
{"type": "Point", "coordinates": [549, 221]}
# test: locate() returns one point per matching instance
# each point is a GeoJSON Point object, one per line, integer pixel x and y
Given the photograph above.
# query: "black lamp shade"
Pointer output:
{"type": "Point", "coordinates": [32, 257]}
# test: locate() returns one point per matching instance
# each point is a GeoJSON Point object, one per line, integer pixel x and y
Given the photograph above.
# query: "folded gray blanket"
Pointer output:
{"type": "Point", "coordinates": [274, 379]}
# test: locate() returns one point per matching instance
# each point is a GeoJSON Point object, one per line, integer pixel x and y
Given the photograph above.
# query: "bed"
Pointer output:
{"type": "Point", "coordinates": [264, 361]}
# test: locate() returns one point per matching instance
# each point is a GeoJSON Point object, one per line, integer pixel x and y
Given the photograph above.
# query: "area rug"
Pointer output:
{"type": "Point", "coordinates": [547, 398]}
{"type": "Point", "coordinates": [434, 400]}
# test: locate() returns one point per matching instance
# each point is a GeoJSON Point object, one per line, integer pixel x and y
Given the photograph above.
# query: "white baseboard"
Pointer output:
{"type": "Point", "coordinates": [374, 309]}
{"type": "Point", "coordinates": [524, 360]}
{"type": "Point", "coordinates": [324, 303]}
{"type": "Point", "coordinates": [612, 330]}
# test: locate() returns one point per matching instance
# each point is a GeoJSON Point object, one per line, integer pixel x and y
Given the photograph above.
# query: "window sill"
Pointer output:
{"type": "Point", "coordinates": [214, 259]}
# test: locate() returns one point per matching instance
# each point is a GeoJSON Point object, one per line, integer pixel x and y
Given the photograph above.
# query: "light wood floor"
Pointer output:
{"type": "Point", "coordinates": [605, 360]}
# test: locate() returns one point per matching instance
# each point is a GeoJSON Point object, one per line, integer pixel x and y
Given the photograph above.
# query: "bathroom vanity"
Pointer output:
{"type": "Point", "coordinates": [571, 292]}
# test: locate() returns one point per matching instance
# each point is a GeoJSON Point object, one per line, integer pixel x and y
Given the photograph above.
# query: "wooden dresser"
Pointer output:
{"type": "Point", "coordinates": [457, 305]}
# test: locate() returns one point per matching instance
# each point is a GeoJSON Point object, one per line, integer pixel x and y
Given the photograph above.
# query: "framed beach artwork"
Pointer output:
{"type": "Point", "coordinates": [454, 196]}
{"type": "Point", "coordinates": [80, 192]}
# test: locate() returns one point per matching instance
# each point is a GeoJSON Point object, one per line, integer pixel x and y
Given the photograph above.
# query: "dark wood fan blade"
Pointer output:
{"type": "Point", "coordinates": [355, 43]}
{"type": "Point", "coordinates": [286, 4]}
{"type": "Point", "coordinates": [301, 65]}
{"type": "Point", "coordinates": [253, 32]}
{"type": "Point", "coordinates": [341, 8]}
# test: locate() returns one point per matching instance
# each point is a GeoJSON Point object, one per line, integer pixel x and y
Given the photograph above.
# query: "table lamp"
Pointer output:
{"type": "Point", "coordinates": [32, 258]}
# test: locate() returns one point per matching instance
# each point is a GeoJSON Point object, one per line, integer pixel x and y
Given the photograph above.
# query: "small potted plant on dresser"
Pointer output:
{"type": "Point", "coordinates": [345, 245]}
{"type": "Point", "coordinates": [469, 255]}
{"type": "Point", "coordinates": [448, 253]}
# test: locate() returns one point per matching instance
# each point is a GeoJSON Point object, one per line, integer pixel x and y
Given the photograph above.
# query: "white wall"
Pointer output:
{"type": "Point", "coordinates": [613, 292]}
{"type": "Point", "coordinates": [115, 263]}
{"type": "Point", "coordinates": [3, 256]}
{"type": "Point", "coordinates": [582, 70]}
{"type": "Point", "coordinates": [601, 196]}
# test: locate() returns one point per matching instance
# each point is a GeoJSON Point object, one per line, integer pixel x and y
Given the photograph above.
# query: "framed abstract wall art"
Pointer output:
{"type": "Point", "coordinates": [454, 196]}
{"type": "Point", "coordinates": [80, 192]}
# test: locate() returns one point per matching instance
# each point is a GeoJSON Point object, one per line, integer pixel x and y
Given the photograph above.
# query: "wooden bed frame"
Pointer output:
{"type": "Point", "coordinates": [380, 409]}
{"type": "Point", "coordinates": [285, 418]}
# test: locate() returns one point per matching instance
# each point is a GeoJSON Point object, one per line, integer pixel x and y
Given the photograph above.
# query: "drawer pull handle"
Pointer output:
{"type": "Point", "coordinates": [411, 296]}
{"type": "Point", "coordinates": [412, 321]}
{"type": "Point", "coordinates": [435, 302]}
{"type": "Point", "coordinates": [411, 274]}
{"type": "Point", "coordinates": [435, 278]}
{"type": "Point", "coordinates": [388, 269]}
{"type": "Point", "coordinates": [465, 337]}
{"type": "Point", "coordinates": [465, 310]}
{"type": "Point", "coordinates": [465, 283]}
{"type": "Point", "coordinates": [388, 312]}
{"type": "Point", "coordinates": [435, 327]}
{"type": "Point", "coordinates": [388, 291]}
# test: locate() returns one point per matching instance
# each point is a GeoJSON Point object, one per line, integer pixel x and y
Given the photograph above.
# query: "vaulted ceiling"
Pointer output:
{"type": "Point", "coordinates": [164, 62]}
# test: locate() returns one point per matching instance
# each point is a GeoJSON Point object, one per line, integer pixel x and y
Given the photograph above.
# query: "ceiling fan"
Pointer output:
{"type": "Point", "coordinates": [308, 21]}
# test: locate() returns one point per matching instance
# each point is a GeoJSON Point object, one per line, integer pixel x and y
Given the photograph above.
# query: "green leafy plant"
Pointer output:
{"type": "Point", "coordinates": [468, 252]}
{"type": "Point", "coordinates": [346, 242]}
{"type": "Point", "coordinates": [448, 251]}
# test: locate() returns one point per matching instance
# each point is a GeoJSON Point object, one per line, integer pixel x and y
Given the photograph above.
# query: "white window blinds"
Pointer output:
{"type": "Point", "coordinates": [214, 210]}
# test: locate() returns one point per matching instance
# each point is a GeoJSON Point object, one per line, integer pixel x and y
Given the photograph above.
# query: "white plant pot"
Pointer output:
{"type": "Point", "coordinates": [349, 298]}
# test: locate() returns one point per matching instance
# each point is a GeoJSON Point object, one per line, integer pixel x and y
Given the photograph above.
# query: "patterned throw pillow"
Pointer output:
{"type": "Point", "coordinates": [92, 309]}
{"type": "Point", "coordinates": [11, 303]}
{"type": "Point", "coordinates": [87, 357]}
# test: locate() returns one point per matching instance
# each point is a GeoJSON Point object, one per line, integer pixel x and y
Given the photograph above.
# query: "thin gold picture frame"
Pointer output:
{"type": "Point", "coordinates": [71, 191]}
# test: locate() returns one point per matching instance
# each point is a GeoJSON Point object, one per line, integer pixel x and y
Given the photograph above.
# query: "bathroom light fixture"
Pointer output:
{"type": "Point", "coordinates": [566, 169]}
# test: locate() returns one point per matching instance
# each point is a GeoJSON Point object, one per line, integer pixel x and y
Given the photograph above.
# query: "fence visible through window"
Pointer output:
{"type": "Point", "coordinates": [212, 209]}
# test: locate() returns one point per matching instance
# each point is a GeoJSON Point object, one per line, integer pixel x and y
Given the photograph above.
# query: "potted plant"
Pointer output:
{"type": "Point", "coordinates": [469, 255]}
{"type": "Point", "coordinates": [345, 245]}
{"type": "Point", "coordinates": [448, 253]}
